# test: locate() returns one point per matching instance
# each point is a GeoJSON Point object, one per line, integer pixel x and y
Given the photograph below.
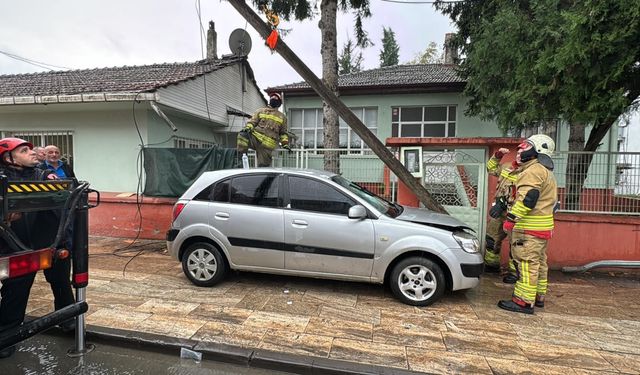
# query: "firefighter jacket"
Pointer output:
{"type": "Point", "coordinates": [506, 178]}
{"type": "Point", "coordinates": [269, 126]}
{"type": "Point", "coordinates": [532, 211]}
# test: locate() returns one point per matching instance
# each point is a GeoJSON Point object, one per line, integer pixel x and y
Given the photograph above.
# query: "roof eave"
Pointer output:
{"type": "Point", "coordinates": [78, 98]}
{"type": "Point", "coordinates": [447, 87]}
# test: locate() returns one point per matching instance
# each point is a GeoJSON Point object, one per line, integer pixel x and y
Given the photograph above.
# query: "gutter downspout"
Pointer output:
{"type": "Point", "coordinates": [603, 263]}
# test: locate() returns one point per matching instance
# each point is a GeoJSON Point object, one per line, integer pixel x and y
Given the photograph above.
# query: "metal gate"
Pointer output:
{"type": "Point", "coordinates": [457, 180]}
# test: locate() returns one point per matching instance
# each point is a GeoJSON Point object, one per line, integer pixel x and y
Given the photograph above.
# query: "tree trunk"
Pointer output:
{"type": "Point", "coordinates": [329, 52]}
{"type": "Point", "coordinates": [576, 171]}
{"type": "Point", "coordinates": [578, 164]}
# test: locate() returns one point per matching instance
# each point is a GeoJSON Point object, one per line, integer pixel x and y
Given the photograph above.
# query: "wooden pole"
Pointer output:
{"type": "Point", "coordinates": [342, 110]}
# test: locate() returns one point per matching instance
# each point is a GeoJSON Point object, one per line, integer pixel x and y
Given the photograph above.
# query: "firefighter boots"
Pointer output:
{"type": "Point", "coordinates": [510, 279]}
{"type": "Point", "coordinates": [516, 305]}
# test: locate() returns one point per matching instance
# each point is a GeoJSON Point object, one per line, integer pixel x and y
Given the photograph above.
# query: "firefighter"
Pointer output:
{"type": "Point", "coordinates": [18, 161]}
{"type": "Point", "coordinates": [266, 128]}
{"type": "Point", "coordinates": [506, 174]}
{"type": "Point", "coordinates": [530, 221]}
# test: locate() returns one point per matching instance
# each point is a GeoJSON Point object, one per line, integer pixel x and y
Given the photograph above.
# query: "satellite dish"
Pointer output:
{"type": "Point", "coordinates": [240, 42]}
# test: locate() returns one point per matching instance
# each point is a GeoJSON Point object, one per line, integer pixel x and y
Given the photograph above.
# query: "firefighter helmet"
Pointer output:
{"type": "Point", "coordinates": [543, 144]}
{"type": "Point", "coordinates": [275, 95]}
{"type": "Point", "coordinates": [10, 144]}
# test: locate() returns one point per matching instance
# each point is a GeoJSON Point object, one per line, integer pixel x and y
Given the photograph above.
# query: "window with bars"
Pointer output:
{"type": "Point", "coordinates": [63, 139]}
{"type": "Point", "coordinates": [182, 142]}
{"type": "Point", "coordinates": [307, 126]}
{"type": "Point", "coordinates": [425, 121]}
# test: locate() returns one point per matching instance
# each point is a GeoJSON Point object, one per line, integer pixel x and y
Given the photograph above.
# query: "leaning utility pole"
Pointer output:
{"type": "Point", "coordinates": [345, 113]}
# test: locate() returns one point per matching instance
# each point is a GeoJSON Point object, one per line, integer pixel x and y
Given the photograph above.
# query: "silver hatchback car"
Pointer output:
{"type": "Point", "coordinates": [318, 224]}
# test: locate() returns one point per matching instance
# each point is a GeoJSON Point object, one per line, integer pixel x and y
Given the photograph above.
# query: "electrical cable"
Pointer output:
{"type": "Point", "coordinates": [33, 62]}
{"type": "Point", "coordinates": [139, 167]}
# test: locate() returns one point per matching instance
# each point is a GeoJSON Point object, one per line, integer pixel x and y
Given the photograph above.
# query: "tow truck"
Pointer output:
{"type": "Point", "coordinates": [71, 198]}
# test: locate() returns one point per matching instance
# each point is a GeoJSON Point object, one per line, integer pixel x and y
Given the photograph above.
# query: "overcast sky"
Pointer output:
{"type": "Point", "coordinates": [82, 34]}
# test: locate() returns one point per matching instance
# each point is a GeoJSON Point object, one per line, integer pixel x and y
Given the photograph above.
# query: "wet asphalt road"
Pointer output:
{"type": "Point", "coordinates": [46, 354]}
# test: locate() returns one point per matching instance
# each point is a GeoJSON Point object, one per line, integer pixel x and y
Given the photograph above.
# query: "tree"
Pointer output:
{"type": "Point", "coordinates": [428, 56]}
{"type": "Point", "coordinates": [526, 62]}
{"type": "Point", "coordinates": [303, 10]}
{"type": "Point", "coordinates": [349, 60]}
{"type": "Point", "coordinates": [390, 48]}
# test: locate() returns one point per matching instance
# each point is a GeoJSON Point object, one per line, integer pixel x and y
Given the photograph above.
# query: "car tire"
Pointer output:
{"type": "Point", "coordinates": [203, 264]}
{"type": "Point", "coordinates": [417, 281]}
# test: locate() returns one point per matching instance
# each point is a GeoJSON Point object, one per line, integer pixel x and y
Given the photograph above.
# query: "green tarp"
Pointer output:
{"type": "Point", "coordinates": [170, 171]}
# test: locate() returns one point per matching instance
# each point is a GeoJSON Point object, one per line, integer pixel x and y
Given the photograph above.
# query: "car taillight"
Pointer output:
{"type": "Point", "coordinates": [177, 208]}
{"type": "Point", "coordinates": [22, 264]}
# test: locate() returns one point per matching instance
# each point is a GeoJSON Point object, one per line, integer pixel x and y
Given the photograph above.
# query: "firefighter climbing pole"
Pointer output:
{"type": "Point", "coordinates": [72, 199]}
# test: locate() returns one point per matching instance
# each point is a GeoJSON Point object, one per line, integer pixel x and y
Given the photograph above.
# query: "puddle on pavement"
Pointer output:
{"type": "Point", "coordinates": [47, 355]}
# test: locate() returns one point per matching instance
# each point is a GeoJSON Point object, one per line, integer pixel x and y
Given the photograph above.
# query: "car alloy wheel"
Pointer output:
{"type": "Point", "coordinates": [203, 264]}
{"type": "Point", "coordinates": [417, 281]}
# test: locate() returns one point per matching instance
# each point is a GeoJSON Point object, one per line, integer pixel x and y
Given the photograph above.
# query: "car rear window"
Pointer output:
{"type": "Point", "coordinates": [257, 190]}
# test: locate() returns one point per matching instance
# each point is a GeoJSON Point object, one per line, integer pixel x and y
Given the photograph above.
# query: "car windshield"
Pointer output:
{"type": "Point", "coordinates": [381, 204]}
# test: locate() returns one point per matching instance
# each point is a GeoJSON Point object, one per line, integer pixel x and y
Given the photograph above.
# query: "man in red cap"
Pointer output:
{"type": "Point", "coordinates": [18, 162]}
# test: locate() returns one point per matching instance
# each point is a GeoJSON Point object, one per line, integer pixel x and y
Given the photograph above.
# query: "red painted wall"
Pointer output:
{"type": "Point", "coordinates": [579, 239]}
{"type": "Point", "coordinates": [119, 216]}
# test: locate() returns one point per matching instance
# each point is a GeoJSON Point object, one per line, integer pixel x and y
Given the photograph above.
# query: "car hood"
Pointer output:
{"type": "Point", "coordinates": [424, 216]}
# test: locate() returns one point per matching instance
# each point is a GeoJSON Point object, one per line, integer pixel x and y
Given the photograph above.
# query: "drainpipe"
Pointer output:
{"type": "Point", "coordinates": [603, 264]}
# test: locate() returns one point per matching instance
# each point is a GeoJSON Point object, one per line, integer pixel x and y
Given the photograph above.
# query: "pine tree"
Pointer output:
{"type": "Point", "coordinates": [390, 49]}
{"type": "Point", "coordinates": [349, 60]}
{"type": "Point", "coordinates": [304, 10]}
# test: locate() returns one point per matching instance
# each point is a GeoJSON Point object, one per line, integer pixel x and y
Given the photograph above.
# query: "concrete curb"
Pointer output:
{"type": "Point", "coordinates": [257, 358]}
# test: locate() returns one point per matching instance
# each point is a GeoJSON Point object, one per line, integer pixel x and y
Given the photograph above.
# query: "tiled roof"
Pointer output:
{"type": "Point", "coordinates": [392, 76]}
{"type": "Point", "coordinates": [125, 79]}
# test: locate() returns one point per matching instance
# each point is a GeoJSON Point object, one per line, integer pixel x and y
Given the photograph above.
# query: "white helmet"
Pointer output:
{"type": "Point", "coordinates": [543, 144]}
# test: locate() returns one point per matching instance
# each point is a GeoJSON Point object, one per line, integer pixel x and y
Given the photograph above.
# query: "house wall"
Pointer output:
{"type": "Point", "coordinates": [223, 87]}
{"type": "Point", "coordinates": [465, 126]}
{"type": "Point", "coordinates": [105, 140]}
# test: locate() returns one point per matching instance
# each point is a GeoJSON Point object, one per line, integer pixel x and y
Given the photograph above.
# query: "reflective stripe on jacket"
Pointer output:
{"type": "Point", "coordinates": [533, 175]}
{"type": "Point", "coordinates": [269, 127]}
{"type": "Point", "coordinates": [506, 178]}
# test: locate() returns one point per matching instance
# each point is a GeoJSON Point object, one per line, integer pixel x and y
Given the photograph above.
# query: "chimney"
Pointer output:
{"type": "Point", "coordinates": [212, 38]}
{"type": "Point", "coordinates": [450, 52]}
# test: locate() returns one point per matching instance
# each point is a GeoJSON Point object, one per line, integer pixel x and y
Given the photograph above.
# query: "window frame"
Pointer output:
{"type": "Point", "coordinates": [302, 130]}
{"type": "Point", "coordinates": [450, 125]}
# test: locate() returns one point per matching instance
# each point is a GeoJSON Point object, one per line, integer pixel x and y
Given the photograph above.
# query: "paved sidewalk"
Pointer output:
{"type": "Point", "coordinates": [591, 324]}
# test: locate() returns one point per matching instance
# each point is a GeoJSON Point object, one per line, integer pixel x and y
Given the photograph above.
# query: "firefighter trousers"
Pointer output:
{"type": "Point", "coordinates": [530, 260]}
{"type": "Point", "coordinates": [493, 240]}
{"type": "Point", "coordinates": [15, 296]}
{"type": "Point", "coordinates": [246, 141]}
{"type": "Point", "coordinates": [59, 277]}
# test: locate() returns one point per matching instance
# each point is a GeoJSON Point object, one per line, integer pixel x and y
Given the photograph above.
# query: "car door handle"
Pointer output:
{"type": "Point", "coordinates": [299, 223]}
{"type": "Point", "coordinates": [222, 215]}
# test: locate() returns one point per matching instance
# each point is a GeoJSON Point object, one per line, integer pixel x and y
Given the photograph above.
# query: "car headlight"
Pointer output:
{"type": "Point", "coordinates": [467, 241]}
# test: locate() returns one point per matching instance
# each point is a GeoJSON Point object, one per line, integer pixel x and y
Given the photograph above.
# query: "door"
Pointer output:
{"type": "Point", "coordinates": [247, 212]}
{"type": "Point", "coordinates": [319, 236]}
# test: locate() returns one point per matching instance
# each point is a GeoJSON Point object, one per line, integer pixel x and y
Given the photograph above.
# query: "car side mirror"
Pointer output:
{"type": "Point", "coordinates": [357, 212]}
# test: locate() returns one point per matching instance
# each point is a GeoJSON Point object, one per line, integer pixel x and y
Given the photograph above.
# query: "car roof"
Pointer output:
{"type": "Point", "coordinates": [209, 177]}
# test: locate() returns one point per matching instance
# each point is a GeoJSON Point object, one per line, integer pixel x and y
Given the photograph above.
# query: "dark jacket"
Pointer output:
{"type": "Point", "coordinates": [35, 230]}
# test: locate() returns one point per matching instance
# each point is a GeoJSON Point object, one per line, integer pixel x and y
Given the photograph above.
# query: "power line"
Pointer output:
{"type": "Point", "coordinates": [39, 64]}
